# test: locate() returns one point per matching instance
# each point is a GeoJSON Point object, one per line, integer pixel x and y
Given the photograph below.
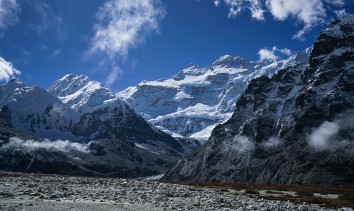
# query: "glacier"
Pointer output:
{"type": "Point", "coordinates": [192, 102]}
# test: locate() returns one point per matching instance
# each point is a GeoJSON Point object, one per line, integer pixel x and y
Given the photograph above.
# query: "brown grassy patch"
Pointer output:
{"type": "Point", "coordinates": [304, 192]}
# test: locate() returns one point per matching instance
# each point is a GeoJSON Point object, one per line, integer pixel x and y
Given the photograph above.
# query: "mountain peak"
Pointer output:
{"type": "Point", "coordinates": [80, 92]}
{"type": "Point", "coordinates": [15, 81]}
{"type": "Point", "coordinates": [192, 66]}
{"type": "Point", "coordinates": [301, 56]}
{"type": "Point", "coordinates": [335, 41]}
{"type": "Point", "coordinates": [341, 27]}
{"type": "Point", "coordinates": [193, 102]}
{"type": "Point", "coordinates": [230, 61]}
{"type": "Point", "coordinates": [15, 84]}
{"type": "Point", "coordinates": [73, 78]}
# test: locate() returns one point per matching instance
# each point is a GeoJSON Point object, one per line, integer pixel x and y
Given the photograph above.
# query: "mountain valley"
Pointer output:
{"type": "Point", "coordinates": [286, 121]}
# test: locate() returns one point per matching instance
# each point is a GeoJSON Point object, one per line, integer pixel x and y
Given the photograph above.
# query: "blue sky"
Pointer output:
{"type": "Point", "coordinates": [121, 42]}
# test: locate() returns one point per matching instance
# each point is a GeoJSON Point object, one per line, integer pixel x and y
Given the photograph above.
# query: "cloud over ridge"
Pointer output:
{"type": "Point", "coordinates": [273, 54]}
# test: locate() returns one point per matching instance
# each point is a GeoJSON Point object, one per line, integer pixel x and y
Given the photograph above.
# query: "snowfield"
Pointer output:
{"type": "Point", "coordinates": [191, 103]}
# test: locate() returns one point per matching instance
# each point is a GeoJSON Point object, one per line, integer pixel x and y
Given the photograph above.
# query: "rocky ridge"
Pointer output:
{"type": "Point", "coordinates": [295, 127]}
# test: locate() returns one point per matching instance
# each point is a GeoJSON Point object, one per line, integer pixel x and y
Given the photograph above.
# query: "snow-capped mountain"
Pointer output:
{"type": "Point", "coordinates": [36, 111]}
{"type": "Point", "coordinates": [80, 93]}
{"type": "Point", "coordinates": [193, 102]}
{"type": "Point", "coordinates": [85, 115]}
{"type": "Point", "coordinates": [295, 127]}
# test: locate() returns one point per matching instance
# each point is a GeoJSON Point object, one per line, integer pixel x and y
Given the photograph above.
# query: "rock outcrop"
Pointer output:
{"type": "Point", "coordinates": [295, 127]}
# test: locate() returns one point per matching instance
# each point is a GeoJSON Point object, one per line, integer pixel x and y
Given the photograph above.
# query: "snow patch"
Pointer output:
{"type": "Point", "coordinates": [204, 134]}
{"type": "Point", "coordinates": [182, 96]}
{"type": "Point", "coordinates": [145, 148]}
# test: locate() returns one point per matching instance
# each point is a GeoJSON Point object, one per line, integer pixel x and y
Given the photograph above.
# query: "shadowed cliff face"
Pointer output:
{"type": "Point", "coordinates": [295, 127]}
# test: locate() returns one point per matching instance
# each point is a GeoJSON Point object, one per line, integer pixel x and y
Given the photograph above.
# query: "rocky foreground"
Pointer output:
{"type": "Point", "coordinates": [53, 192]}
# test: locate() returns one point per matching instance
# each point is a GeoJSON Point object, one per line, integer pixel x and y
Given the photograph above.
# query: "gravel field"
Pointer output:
{"type": "Point", "coordinates": [54, 192]}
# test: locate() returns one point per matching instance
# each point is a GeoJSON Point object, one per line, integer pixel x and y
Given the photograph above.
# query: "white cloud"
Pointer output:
{"type": "Point", "coordinates": [308, 12]}
{"type": "Point", "coordinates": [7, 71]}
{"type": "Point", "coordinates": [285, 51]}
{"type": "Point", "coordinates": [271, 142]}
{"type": "Point", "coordinates": [9, 10]}
{"type": "Point", "coordinates": [334, 136]}
{"type": "Point", "coordinates": [305, 11]}
{"type": "Point", "coordinates": [237, 6]}
{"type": "Point", "coordinates": [256, 10]}
{"type": "Point", "coordinates": [273, 54]}
{"type": "Point", "coordinates": [266, 54]}
{"type": "Point", "coordinates": [124, 24]}
{"type": "Point", "coordinates": [243, 144]}
{"type": "Point", "coordinates": [113, 76]}
{"type": "Point", "coordinates": [217, 2]}
{"type": "Point", "coordinates": [57, 145]}
{"type": "Point", "coordinates": [321, 138]}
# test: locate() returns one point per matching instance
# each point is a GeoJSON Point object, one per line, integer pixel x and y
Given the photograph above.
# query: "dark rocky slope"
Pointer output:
{"type": "Point", "coordinates": [40, 133]}
{"type": "Point", "coordinates": [296, 127]}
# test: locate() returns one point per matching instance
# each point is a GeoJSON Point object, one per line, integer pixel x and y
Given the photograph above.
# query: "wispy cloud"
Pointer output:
{"type": "Point", "coordinates": [271, 142]}
{"type": "Point", "coordinates": [46, 20]}
{"type": "Point", "coordinates": [309, 13]}
{"type": "Point", "coordinates": [122, 25]}
{"type": "Point", "coordinates": [7, 71]}
{"type": "Point", "coordinates": [273, 54]}
{"type": "Point", "coordinates": [56, 53]}
{"type": "Point", "coordinates": [113, 76]}
{"type": "Point", "coordinates": [9, 10]}
{"type": "Point", "coordinates": [236, 7]}
{"type": "Point", "coordinates": [340, 13]}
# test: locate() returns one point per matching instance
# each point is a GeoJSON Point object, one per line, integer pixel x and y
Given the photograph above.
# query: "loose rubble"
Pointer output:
{"type": "Point", "coordinates": [53, 192]}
